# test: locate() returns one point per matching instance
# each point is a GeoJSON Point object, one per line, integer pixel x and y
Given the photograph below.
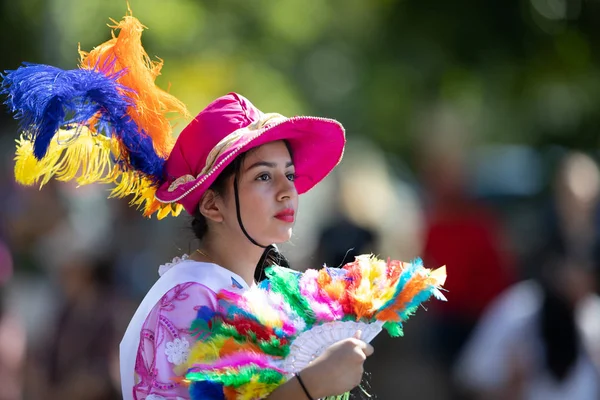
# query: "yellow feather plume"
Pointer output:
{"type": "Point", "coordinates": [86, 157]}
{"type": "Point", "coordinates": [73, 154]}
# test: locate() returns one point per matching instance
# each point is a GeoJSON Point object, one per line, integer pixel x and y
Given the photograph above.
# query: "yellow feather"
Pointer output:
{"type": "Point", "coordinates": [73, 154]}
{"type": "Point", "coordinates": [127, 182]}
{"type": "Point", "coordinates": [27, 167]}
{"type": "Point", "coordinates": [176, 209]}
{"type": "Point", "coordinates": [86, 157]}
{"type": "Point", "coordinates": [163, 212]}
{"type": "Point", "coordinates": [371, 293]}
{"type": "Point", "coordinates": [205, 351]}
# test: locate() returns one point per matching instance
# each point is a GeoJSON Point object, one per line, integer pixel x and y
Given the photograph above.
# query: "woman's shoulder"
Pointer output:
{"type": "Point", "coordinates": [183, 281]}
{"type": "Point", "coordinates": [183, 269]}
{"type": "Point", "coordinates": [180, 278]}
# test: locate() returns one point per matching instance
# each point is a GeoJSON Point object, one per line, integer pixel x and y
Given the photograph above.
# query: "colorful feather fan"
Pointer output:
{"type": "Point", "coordinates": [104, 122]}
{"type": "Point", "coordinates": [258, 339]}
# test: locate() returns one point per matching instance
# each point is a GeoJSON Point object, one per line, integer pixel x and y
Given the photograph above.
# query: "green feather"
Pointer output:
{"type": "Point", "coordinates": [270, 376]}
{"type": "Point", "coordinates": [394, 328]}
{"type": "Point", "coordinates": [238, 377]}
{"type": "Point", "coordinates": [285, 282]}
{"type": "Point", "coordinates": [274, 347]}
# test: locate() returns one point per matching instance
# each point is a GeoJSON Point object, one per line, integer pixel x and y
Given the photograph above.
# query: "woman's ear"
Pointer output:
{"type": "Point", "coordinates": [209, 206]}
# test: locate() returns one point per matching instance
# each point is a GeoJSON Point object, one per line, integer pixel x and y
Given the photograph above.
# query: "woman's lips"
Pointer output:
{"type": "Point", "coordinates": [286, 215]}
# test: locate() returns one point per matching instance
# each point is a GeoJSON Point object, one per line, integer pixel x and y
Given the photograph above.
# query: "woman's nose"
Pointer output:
{"type": "Point", "coordinates": [287, 190]}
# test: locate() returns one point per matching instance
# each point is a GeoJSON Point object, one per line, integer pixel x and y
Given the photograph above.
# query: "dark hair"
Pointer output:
{"type": "Point", "coordinates": [558, 329]}
{"type": "Point", "coordinates": [199, 223]}
{"type": "Point", "coordinates": [557, 323]}
{"type": "Point", "coordinates": [271, 254]}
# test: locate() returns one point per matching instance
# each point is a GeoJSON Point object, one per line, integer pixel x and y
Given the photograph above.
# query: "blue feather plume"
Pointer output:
{"type": "Point", "coordinates": [45, 98]}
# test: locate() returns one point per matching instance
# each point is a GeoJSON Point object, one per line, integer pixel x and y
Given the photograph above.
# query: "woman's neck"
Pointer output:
{"type": "Point", "coordinates": [238, 255]}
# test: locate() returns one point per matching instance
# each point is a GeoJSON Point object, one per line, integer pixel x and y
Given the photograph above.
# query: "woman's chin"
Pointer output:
{"type": "Point", "coordinates": [283, 237]}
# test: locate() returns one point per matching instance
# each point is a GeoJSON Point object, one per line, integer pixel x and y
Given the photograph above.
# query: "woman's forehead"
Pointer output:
{"type": "Point", "coordinates": [276, 152]}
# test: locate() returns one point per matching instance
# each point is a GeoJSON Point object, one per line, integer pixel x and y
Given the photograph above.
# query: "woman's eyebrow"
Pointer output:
{"type": "Point", "coordinates": [268, 164]}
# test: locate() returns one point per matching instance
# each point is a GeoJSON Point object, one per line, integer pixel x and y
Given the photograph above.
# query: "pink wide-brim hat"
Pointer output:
{"type": "Point", "coordinates": [230, 126]}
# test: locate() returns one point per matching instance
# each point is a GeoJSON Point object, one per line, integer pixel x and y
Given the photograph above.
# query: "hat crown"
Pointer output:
{"type": "Point", "coordinates": [219, 119]}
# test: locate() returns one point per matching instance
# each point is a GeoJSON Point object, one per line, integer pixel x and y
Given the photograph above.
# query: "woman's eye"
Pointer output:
{"type": "Point", "coordinates": [263, 177]}
{"type": "Point", "coordinates": [291, 177]}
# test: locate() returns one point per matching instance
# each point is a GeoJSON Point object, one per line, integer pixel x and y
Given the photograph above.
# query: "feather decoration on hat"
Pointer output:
{"type": "Point", "coordinates": [104, 122]}
{"type": "Point", "coordinates": [259, 338]}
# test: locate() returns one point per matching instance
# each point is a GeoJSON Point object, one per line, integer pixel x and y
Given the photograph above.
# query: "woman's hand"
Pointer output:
{"type": "Point", "coordinates": [339, 369]}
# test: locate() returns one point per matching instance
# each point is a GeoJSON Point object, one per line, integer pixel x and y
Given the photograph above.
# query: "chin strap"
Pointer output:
{"type": "Point", "coordinates": [239, 214]}
{"type": "Point", "coordinates": [270, 255]}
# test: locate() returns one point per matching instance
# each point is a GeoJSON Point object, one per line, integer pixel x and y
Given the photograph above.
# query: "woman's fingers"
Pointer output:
{"type": "Point", "coordinates": [366, 348]}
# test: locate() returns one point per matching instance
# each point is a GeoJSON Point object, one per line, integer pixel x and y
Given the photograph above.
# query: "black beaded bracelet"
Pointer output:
{"type": "Point", "coordinates": [304, 387]}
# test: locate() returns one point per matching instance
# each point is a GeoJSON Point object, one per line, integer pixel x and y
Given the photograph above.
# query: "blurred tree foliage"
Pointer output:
{"type": "Point", "coordinates": [518, 71]}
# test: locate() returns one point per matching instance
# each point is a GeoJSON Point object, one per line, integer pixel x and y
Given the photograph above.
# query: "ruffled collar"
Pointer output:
{"type": "Point", "coordinates": [167, 266]}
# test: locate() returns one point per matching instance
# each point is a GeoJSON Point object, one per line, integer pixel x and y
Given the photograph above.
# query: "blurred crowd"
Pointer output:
{"type": "Point", "coordinates": [517, 229]}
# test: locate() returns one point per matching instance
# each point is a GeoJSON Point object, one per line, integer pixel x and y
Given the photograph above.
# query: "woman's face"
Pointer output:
{"type": "Point", "coordinates": [267, 195]}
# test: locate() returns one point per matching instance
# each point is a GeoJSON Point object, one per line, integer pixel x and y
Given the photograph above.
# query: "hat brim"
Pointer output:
{"type": "Point", "coordinates": [317, 147]}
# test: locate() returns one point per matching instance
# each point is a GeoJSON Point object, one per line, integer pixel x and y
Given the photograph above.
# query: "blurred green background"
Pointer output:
{"type": "Point", "coordinates": [520, 71]}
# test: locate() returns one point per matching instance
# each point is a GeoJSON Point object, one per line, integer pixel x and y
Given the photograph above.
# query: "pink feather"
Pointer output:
{"type": "Point", "coordinates": [323, 306]}
{"type": "Point", "coordinates": [236, 361]}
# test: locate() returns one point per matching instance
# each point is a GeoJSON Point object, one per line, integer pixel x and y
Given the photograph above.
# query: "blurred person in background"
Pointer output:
{"type": "Point", "coordinates": [13, 341]}
{"type": "Point", "coordinates": [374, 210]}
{"type": "Point", "coordinates": [541, 338]}
{"type": "Point", "coordinates": [461, 233]}
{"type": "Point", "coordinates": [12, 353]}
{"type": "Point", "coordinates": [343, 238]}
{"type": "Point", "coordinates": [81, 350]}
{"type": "Point", "coordinates": [571, 219]}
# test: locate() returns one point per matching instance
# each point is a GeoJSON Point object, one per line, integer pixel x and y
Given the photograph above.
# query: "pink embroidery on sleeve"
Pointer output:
{"type": "Point", "coordinates": [165, 341]}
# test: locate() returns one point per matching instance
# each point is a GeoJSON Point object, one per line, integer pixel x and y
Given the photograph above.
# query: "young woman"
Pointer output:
{"type": "Point", "coordinates": [238, 172]}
